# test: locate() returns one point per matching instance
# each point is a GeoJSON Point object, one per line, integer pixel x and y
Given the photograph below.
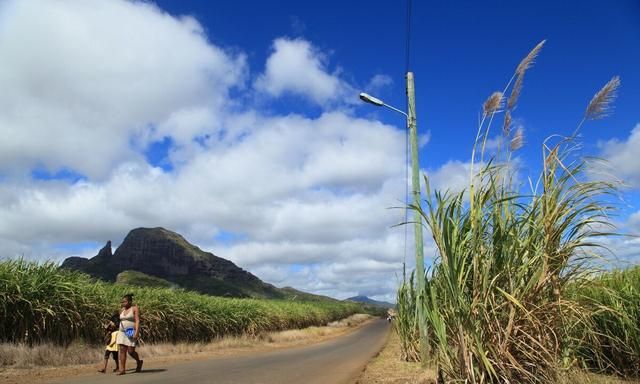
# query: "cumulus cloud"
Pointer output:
{"type": "Point", "coordinates": [620, 251]}
{"type": "Point", "coordinates": [621, 157]}
{"type": "Point", "coordinates": [283, 184]}
{"type": "Point", "coordinates": [634, 223]}
{"type": "Point", "coordinates": [79, 80]}
{"type": "Point", "coordinates": [453, 176]}
{"type": "Point", "coordinates": [424, 139]}
{"type": "Point", "coordinates": [378, 83]}
{"type": "Point", "coordinates": [493, 144]}
{"type": "Point", "coordinates": [297, 67]}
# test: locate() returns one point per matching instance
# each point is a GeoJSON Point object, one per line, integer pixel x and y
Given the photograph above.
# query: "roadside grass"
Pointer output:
{"type": "Point", "coordinates": [42, 304]}
{"type": "Point", "coordinates": [312, 333]}
{"type": "Point", "coordinates": [616, 297]}
{"type": "Point", "coordinates": [389, 368]}
{"type": "Point", "coordinates": [592, 378]}
{"type": "Point", "coordinates": [21, 356]}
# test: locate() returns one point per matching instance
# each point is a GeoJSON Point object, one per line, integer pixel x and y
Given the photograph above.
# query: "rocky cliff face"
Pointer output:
{"type": "Point", "coordinates": [166, 254]}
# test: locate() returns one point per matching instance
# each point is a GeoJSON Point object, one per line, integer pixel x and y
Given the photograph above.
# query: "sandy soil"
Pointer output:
{"type": "Point", "coordinates": [388, 368]}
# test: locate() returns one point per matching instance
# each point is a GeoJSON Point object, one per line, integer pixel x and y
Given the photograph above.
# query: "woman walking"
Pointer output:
{"type": "Point", "coordinates": [129, 333]}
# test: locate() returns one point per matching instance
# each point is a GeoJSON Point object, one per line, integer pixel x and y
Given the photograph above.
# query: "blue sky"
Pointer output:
{"type": "Point", "coordinates": [238, 125]}
{"type": "Point", "coordinates": [460, 52]}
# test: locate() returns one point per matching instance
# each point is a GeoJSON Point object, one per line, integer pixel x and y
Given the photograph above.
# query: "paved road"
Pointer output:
{"type": "Point", "coordinates": [332, 362]}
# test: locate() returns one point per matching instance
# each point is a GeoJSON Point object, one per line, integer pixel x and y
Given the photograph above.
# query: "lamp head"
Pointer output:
{"type": "Point", "coordinates": [370, 99]}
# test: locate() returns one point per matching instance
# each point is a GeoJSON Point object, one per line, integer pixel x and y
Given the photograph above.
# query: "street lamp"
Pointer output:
{"type": "Point", "coordinates": [367, 98]}
{"type": "Point", "coordinates": [415, 182]}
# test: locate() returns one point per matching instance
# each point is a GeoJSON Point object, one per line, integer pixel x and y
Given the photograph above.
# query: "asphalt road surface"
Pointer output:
{"type": "Point", "coordinates": [336, 361]}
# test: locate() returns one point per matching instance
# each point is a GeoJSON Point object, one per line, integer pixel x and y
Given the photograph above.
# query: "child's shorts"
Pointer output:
{"type": "Point", "coordinates": [112, 353]}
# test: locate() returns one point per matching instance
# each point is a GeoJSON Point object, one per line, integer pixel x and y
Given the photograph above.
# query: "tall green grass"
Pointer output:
{"type": "Point", "coordinates": [615, 301]}
{"type": "Point", "coordinates": [496, 302]}
{"type": "Point", "coordinates": [43, 303]}
{"type": "Point", "coordinates": [406, 321]}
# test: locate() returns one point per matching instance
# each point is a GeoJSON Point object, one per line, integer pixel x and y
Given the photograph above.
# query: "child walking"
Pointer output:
{"type": "Point", "coordinates": [112, 346]}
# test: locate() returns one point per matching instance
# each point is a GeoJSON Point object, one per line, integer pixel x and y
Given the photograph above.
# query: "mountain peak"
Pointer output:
{"type": "Point", "coordinates": [166, 254]}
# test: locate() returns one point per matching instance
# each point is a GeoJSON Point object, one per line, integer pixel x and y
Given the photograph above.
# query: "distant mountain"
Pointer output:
{"type": "Point", "coordinates": [165, 257]}
{"type": "Point", "coordinates": [366, 300]}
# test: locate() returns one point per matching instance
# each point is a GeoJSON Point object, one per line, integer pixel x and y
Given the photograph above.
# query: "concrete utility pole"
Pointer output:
{"type": "Point", "coordinates": [415, 183]}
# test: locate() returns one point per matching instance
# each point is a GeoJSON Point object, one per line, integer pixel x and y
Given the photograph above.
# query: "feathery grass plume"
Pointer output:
{"type": "Point", "coordinates": [524, 65]}
{"type": "Point", "coordinates": [517, 141]}
{"type": "Point", "coordinates": [528, 61]}
{"type": "Point", "coordinates": [506, 129]}
{"type": "Point", "coordinates": [490, 107]}
{"type": "Point", "coordinates": [515, 92]}
{"type": "Point", "coordinates": [600, 104]}
{"type": "Point", "coordinates": [551, 157]}
{"type": "Point", "coordinates": [493, 103]}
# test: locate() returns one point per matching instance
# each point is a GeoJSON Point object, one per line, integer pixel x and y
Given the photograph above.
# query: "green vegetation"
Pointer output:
{"type": "Point", "coordinates": [406, 321]}
{"type": "Point", "coordinates": [615, 301]}
{"type": "Point", "coordinates": [214, 286]}
{"type": "Point", "coordinates": [44, 303]}
{"type": "Point", "coordinates": [140, 279]}
{"type": "Point", "coordinates": [511, 296]}
{"type": "Point", "coordinates": [293, 294]}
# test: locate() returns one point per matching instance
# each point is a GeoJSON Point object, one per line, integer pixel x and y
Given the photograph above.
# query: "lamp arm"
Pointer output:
{"type": "Point", "coordinates": [395, 109]}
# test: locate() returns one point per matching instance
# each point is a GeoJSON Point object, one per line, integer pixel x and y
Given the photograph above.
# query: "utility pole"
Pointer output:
{"type": "Point", "coordinates": [415, 183]}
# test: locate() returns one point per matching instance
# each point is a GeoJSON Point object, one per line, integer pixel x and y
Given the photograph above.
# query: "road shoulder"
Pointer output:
{"type": "Point", "coordinates": [388, 368]}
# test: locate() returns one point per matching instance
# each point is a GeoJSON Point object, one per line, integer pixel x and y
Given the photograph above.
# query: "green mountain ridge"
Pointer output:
{"type": "Point", "coordinates": [159, 257]}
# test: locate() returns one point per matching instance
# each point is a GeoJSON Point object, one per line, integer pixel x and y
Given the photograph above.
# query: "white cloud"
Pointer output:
{"type": "Point", "coordinates": [622, 157]}
{"type": "Point", "coordinates": [378, 83]}
{"type": "Point", "coordinates": [453, 176]}
{"type": "Point", "coordinates": [634, 223]}
{"type": "Point", "coordinates": [79, 80]}
{"type": "Point", "coordinates": [297, 67]}
{"type": "Point", "coordinates": [424, 139]}
{"type": "Point", "coordinates": [493, 144]}
{"type": "Point", "coordinates": [621, 251]}
{"type": "Point", "coordinates": [339, 183]}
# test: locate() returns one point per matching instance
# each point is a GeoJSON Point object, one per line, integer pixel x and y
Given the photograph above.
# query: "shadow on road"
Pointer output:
{"type": "Point", "coordinates": [152, 370]}
{"type": "Point", "coordinates": [133, 371]}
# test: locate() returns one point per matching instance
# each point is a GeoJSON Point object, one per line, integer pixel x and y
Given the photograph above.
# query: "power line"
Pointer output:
{"type": "Point", "coordinates": [408, 38]}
